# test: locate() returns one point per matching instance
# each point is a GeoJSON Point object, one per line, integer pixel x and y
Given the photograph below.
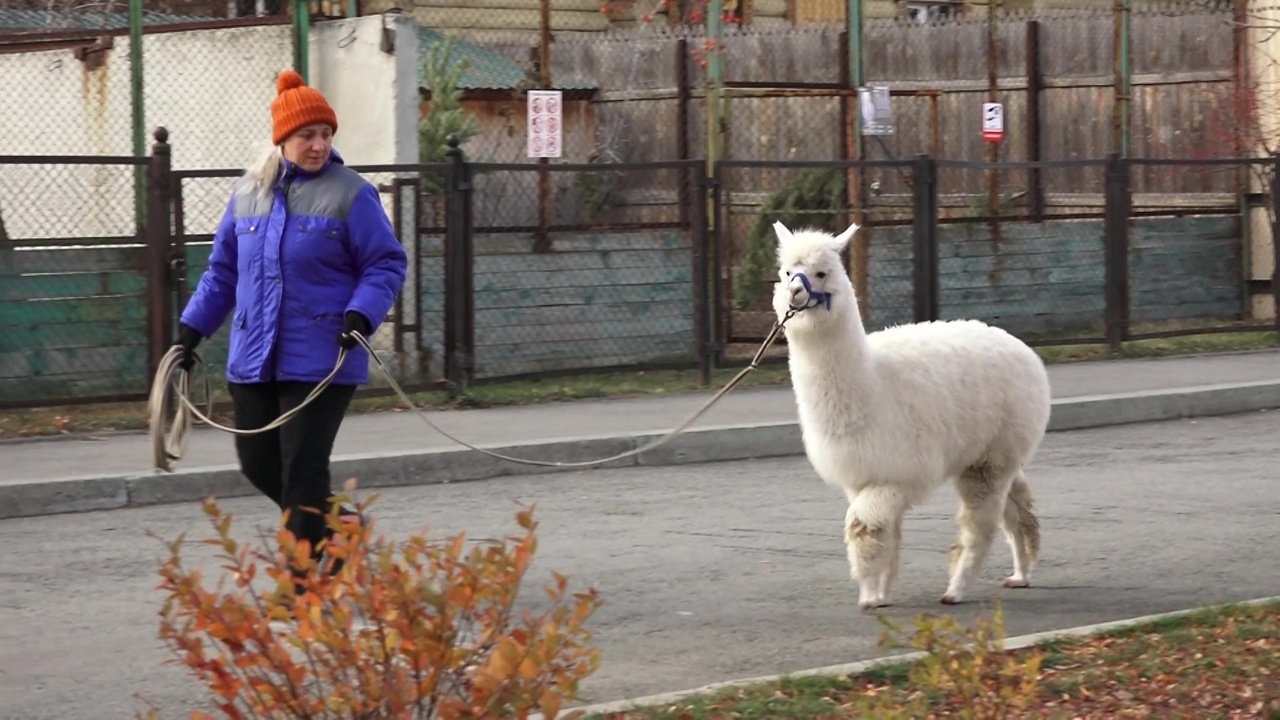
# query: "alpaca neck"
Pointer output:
{"type": "Point", "coordinates": [833, 372]}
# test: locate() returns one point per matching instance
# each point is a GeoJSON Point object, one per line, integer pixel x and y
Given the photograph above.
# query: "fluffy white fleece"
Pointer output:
{"type": "Point", "coordinates": [889, 416]}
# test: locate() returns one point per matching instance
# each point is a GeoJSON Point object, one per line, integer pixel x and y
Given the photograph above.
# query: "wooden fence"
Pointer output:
{"type": "Point", "coordinates": [1182, 69]}
{"type": "Point", "coordinates": [1054, 72]}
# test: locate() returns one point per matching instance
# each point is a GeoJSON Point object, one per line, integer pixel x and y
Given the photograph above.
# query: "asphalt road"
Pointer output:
{"type": "Point", "coordinates": [711, 572]}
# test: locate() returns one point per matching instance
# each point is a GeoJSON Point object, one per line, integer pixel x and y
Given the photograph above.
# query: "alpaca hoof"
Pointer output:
{"type": "Point", "coordinates": [871, 602]}
{"type": "Point", "coordinates": [949, 599]}
{"type": "Point", "coordinates": [1016, 582]}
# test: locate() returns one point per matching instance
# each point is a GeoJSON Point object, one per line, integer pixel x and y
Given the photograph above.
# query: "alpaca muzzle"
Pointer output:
{"type": "Point", "coordinates": [812, 298]}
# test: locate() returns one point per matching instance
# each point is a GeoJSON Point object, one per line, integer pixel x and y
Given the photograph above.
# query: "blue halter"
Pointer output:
{"type": "Point", "coordinates": [816, 297]}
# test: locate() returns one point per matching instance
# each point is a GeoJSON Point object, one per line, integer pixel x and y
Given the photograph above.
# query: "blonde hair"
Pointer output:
{"type": "Point", "coordinates": [262, 171]}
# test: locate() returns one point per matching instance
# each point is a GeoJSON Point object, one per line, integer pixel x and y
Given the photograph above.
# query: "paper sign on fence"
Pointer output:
{"type": "Point", "coordinates": [992, 121]}
{"type": "Point", "coordinates": [877, 113]}
{"type": "Point", "coordinates": [546, 126]}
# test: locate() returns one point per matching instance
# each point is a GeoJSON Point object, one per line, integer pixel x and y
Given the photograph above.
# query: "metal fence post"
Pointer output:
{"type": "Point", "coordinates": [924, 238]}
{"type": "Point", "coordinates": [721, 317]}
{"type": "Point", "coordinates": [459, 299]}
{"type": "Point", "coordinates": [159, 280]}
{"type": "Point", "coordinates": [1275, 240]}
{"type": "Point", "coordinates": [1116, 251]}
{"type": "Point", "coordinates": [302, 39]}
{"type": "Point", "coordinates": [700, 241]}
{"type": "Point", "coordinates": [138, 114]}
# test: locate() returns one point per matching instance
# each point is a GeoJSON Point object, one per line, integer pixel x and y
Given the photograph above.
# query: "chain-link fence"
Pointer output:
{"type": "Point", "coordinates": [410, 340]}
{"type": "Point", "coordinates": [639, 88]}
{"type": "Point", "coordinates": [1042, 279]}
{"type": "Point", "coordinates": [72, 280]}
{"type": "Point", "coordinates": [587, 269]}
{"type": "Point", "coordinates": [755, 194]}
{"type": "Point", "coordinates": [1055, 73]}
{"type": "Point", "coordinates": [1199, 251]}
{"type": "Point", "coordinates": [70, 81]}
{"type": "Point", "coordinates": [626, 96]}
{"type": "Point", "coordinates": [476, 63]}
{"type": "Point", "coordinates": [1073, 251]}
{"type": "Point", "coordinates": [200, 199]}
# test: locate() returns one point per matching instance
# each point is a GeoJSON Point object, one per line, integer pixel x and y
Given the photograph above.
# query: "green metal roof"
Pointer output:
{"type": "Point", "coordinates": [485, 68]}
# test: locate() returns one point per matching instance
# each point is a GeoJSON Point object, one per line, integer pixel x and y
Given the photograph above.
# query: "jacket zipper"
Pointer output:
{"type": "Point", "coordinates": [275, 360]}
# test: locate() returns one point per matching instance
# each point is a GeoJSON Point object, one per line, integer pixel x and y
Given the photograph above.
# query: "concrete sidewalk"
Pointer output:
{"type": "Point", "coordinates": [70, 474]}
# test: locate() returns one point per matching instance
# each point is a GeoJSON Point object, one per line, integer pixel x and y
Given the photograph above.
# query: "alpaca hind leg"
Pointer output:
{"type": "Point", "coordinates": [873, 533]}
{"type": "Point", "coordinates": [983, 490]}
{"type": "Point", "coordinates": [1022, 530]}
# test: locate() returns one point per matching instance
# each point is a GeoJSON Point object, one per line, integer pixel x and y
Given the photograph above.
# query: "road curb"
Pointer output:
{"type": "Point", "coordinates": [1090, 411]}
{"type": "Point", "coordinates": [711, 444]}
{"type": "Point", "coordinates": [854, 668]}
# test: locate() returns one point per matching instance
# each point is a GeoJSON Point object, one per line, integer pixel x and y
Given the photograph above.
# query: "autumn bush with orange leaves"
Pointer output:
{"type": "Point", "coordinates": [411, 629]}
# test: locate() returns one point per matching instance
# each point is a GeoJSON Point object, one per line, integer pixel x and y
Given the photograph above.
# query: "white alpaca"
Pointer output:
{"type": "Point", "coordinates": [889, 416]}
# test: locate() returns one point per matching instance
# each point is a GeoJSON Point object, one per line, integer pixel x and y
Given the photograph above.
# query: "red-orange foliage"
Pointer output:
{"type": "Point", "coordinates": [416, 629]}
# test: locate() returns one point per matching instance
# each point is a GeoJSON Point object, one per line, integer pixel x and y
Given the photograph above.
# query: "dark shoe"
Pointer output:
{"type": "Point", "coordinates": [347, 515]}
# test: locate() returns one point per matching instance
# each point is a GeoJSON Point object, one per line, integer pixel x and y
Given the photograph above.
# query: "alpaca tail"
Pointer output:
{"type": "Point", "coordinates": [1021, 512]}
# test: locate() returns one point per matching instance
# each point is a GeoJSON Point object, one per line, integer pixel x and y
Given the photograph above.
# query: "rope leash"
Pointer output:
{"type": "Point", "coordinates": [168, 445]}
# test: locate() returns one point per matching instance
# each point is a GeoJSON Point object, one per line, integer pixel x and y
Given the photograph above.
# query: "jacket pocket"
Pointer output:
{"type": "Point", "coordinates": [248, 231]}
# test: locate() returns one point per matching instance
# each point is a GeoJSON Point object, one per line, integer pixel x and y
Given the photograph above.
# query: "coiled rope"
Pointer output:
{"type": "Point", "coordinates": [169, 440]}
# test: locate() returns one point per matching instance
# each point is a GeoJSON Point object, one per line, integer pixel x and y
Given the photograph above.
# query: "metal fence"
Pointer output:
{"type": "Point", "coordinates": [1065, 252]}
{"type": "Point", "coordinates": [583, 266]}
{"type": "Point", "coordinates": [544, 269]}
{"type": "Point", "coordinates": [77, 82]}
{"type": "Point", "coordinates": [73, 281]}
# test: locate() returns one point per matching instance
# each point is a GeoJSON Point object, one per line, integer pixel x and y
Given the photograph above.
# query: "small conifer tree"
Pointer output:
{"type": "Point", "coordinates": [447, 116]}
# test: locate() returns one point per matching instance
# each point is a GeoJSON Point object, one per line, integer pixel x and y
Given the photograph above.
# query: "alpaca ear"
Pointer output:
{"type": "Point", "coordinates": [840, 241]}
{"type": "Point", "coordinates": [784, 235]}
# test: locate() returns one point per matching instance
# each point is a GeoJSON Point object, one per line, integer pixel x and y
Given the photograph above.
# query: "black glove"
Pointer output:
{"type": "Point", "coordinates": [352, 321]}
{"type": "Point", "coordinates": [188, 339]}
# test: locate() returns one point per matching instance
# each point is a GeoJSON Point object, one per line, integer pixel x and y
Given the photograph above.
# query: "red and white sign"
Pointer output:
{"type": "Point", "coordinates": [546, 122]}
{"type": "Point", "coordinates": [992, 122]}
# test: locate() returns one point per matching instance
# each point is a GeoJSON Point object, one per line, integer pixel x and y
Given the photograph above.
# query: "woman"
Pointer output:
{"type": "Point", "coordinates": [304, 254]}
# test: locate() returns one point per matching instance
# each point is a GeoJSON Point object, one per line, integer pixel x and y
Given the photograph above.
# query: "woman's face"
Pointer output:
{"type": "Point", "coordinates": [309, 147]}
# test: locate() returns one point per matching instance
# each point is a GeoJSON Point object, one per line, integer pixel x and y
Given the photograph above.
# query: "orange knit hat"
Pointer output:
{"type": "Point", "coordinates": [296, 106]}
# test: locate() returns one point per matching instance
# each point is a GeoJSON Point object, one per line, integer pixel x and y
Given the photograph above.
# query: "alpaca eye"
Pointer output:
{"type": "Point", "coordinates": [788, 273]}
{"type": "Point", "coordinates": [821, 275]}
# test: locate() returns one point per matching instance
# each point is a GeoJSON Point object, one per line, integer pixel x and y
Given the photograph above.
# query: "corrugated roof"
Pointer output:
{"type": "Point", "coordinates": [24, 20]}
{"type": "Point", "coordinates": [485, 68]}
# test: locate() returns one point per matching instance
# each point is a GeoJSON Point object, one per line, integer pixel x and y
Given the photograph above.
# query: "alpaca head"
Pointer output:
{"type": "Point", "coordinates": [811, 276]}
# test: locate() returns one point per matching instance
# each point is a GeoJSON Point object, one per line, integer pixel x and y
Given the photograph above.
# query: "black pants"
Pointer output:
{"type": "Point", "coordinates": [290, 464]}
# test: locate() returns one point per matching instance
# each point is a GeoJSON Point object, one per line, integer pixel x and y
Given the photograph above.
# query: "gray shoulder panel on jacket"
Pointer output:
{"type": "Point", "coordinates": [329, 195]}
{"type": "Point", "coordinates": [248, 202]}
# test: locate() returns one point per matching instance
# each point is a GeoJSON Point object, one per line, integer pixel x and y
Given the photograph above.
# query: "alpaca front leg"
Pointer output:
{"type": "Point", "coordinates": [889, 569]}
{"type": "Point", "coordinates": [873, 533]}
{"type": "Point", "coordinates": [864, 547]}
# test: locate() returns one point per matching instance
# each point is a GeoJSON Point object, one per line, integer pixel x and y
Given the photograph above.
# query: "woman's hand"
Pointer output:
{"type": "Point", "coordinates": [352, 321]}
{"type": "Point", "coordinates": [188, 339]}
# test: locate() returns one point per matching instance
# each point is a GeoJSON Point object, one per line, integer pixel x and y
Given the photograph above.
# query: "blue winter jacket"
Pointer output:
{"type": "Point", "coordinates": [292, 265]}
